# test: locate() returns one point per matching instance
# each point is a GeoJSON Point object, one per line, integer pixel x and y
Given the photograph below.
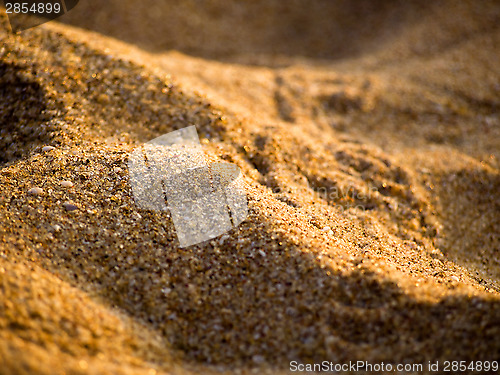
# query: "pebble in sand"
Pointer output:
{"type": "Point", "coordinates": [66, 184]}
{"type": "Point", "coordinates": [35, 191]}
{"type": "Point", "coordinates": [69, 206]}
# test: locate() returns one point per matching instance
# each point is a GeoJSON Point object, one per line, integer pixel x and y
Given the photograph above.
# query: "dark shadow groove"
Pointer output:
{"type": "Point", "coordinates": [22, 112]}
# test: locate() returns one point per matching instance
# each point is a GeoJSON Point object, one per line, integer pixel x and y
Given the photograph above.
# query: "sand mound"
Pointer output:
{"type": "Point", "coordinates": [230, 29]}
{"type": "Point", "coordinates": [373, 187]}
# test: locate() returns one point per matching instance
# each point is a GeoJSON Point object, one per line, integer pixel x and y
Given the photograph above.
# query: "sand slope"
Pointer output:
{"type": "Point", "coordinates": [371, 171]}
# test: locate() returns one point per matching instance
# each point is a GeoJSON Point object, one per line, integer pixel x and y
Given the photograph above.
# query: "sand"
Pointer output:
{"type": "Point", "coordinates": [369, 149]}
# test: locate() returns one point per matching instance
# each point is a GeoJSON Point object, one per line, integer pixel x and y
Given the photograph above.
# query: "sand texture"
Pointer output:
{"type": "Point", "coordinates": [368, 138]}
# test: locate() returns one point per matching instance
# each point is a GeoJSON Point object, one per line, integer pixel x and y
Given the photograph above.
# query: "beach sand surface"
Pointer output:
{"type": "Point", "coordinates": [368, 138]}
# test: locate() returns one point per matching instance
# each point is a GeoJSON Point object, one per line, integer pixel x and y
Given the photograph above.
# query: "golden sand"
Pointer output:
{"type": "Point", "coordinates": [371, 166]}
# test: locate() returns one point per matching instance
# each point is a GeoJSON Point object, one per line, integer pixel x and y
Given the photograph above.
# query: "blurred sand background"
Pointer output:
{"type": "Point", "coordinates": [367, 132]}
